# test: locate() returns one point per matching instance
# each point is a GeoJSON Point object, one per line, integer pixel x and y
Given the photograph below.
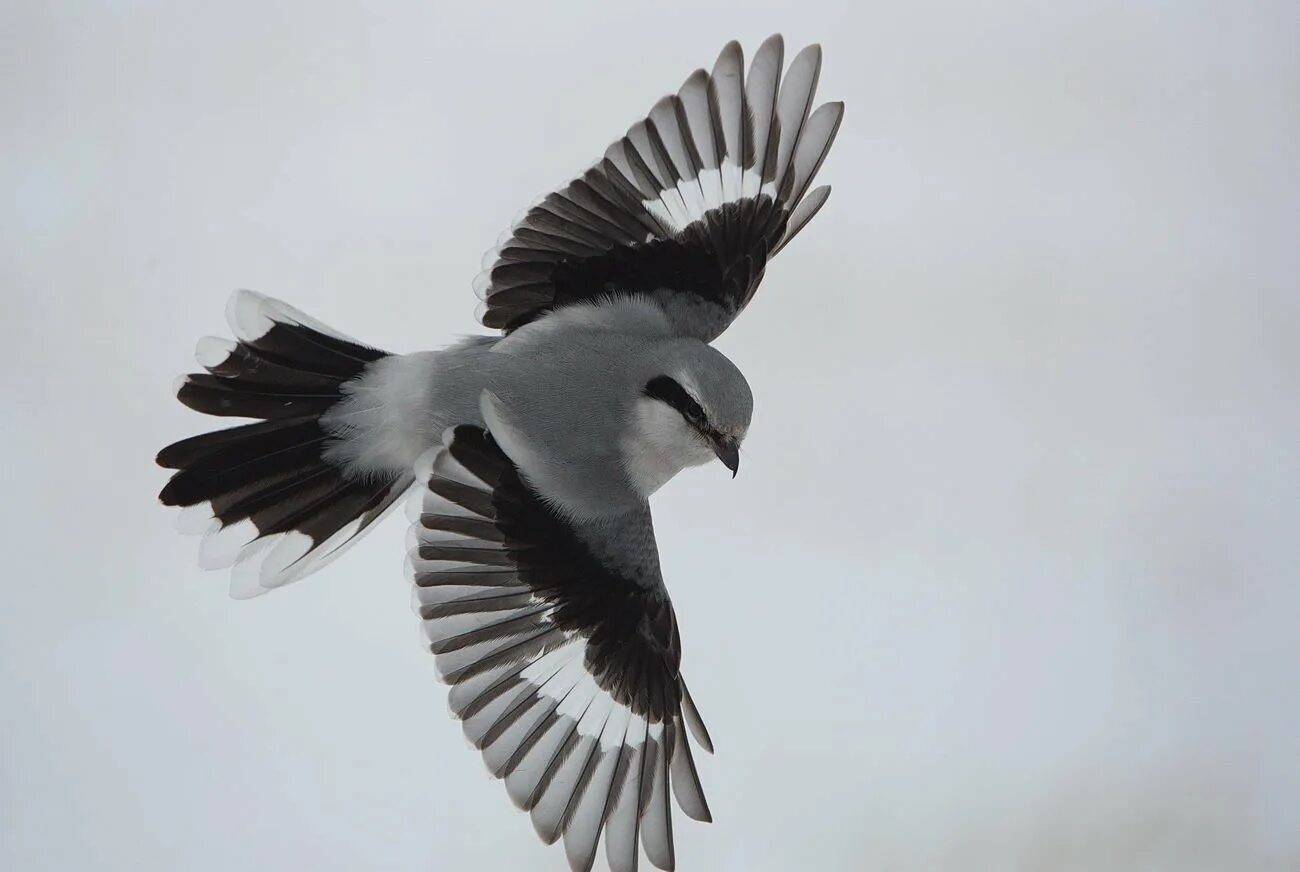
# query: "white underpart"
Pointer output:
{"type": "Point", "coordinates": [658, 444]}
{"type": "Point", "coordinates": [385, 422]}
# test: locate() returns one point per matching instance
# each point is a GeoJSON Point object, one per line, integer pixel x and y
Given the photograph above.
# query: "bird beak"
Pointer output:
{"type": "Point", "coordinates": [728, 452]}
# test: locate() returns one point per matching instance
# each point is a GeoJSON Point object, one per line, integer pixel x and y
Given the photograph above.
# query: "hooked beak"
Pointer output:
{"type": "Point", "coordinates": [728, 452]}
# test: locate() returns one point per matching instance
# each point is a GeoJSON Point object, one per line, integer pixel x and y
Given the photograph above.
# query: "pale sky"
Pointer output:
{"type": "Point", "coordinates": [1008, 580]}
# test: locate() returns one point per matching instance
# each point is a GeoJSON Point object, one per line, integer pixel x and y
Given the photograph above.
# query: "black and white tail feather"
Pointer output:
{"type": "Point", "coordinates": [563, 670]}
{"type": "Point", "coordinates": [263, 495]}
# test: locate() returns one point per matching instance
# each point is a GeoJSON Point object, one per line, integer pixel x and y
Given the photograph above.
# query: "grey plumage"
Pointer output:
{"type": "Point", "coordinates": [531, 455]}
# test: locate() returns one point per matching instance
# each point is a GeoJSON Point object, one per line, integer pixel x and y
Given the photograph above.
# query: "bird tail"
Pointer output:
{"type": "Point", "coordinates": [265, 496]}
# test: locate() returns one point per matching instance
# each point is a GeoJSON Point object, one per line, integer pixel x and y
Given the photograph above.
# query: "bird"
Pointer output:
{"type": "Point", "coordinates": [528, 455]}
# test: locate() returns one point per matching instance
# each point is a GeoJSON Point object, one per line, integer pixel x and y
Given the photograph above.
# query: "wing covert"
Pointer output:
{"type": "Point", "coordinates": [687, 207]}
{"type": "Point", "coordinates": [564, 668]}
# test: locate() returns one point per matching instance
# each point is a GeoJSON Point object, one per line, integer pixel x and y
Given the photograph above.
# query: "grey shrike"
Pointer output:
{"type": "Point", "coordinates": [531, 454]}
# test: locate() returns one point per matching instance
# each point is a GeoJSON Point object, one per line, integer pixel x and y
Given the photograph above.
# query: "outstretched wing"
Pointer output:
{"type": "Point", "coordinates": [562, 657]}
{"type": "Point", "coordinates": [688, 207]}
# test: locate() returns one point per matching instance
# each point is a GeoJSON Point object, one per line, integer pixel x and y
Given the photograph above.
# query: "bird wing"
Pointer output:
{"type": "Point", "coordinates": [688, 207]}
{"type": "Point", "coordinates": [562, 658]}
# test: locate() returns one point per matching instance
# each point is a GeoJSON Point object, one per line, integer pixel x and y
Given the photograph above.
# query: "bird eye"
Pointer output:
{"type": "Point", "coordinates": [667, 390]}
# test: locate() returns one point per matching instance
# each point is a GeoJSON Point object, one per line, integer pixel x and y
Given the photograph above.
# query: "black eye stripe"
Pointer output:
{"type": "Point", "coordinates": [667, 390]}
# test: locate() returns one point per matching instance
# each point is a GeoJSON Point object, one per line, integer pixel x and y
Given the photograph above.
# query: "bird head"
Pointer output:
{"type": "Point", "coordinates": [695, 408]}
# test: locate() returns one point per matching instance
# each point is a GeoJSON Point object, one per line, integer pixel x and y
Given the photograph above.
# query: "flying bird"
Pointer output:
{"type": "Point", "coordinates": [530, 455]}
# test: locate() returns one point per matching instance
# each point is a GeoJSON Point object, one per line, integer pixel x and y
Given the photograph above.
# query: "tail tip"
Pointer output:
{"type": "Point", "coordinates": [246, 315]}
{"type": "Point", "coordinates": [211, 351]}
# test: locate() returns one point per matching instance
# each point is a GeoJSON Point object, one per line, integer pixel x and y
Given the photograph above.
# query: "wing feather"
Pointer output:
{"type": "Point", "coordinates": [793, 104]}
{"type": "Point", "coordinates": [687, 207]}
{"type": "Point", "coordinates": [657, 816]}
{"type": "Point", "coordinates": [814, 145]}
{"type": "Point", "coordinates": [561, 791]}
{"type": "Point", "coordinates": [563, 672]}
{"type": "Point", "coordinates": [729, 111]}
{"type": "Point", "coordinates": [623, 825]}
{"type": "Point", "coordinates": [685, 778]}
{"type": "Point", "coordinates": [762, 87]}
{"type": "Point", "coordinates": [697, 122]}
{"type": "Point", "coordinates": [582, 830]}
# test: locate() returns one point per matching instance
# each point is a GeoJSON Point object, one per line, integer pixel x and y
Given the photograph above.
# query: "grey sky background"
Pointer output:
{"type": "Point", "coordinates": [1008, 580]}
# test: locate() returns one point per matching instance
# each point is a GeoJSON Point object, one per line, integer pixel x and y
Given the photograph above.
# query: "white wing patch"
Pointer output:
{"type": "Point", "coordinates": [699, 170]}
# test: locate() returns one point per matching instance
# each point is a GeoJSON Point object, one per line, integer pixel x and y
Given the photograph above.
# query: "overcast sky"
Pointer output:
{"type": "Point", "coordinates": [1008, 580]}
